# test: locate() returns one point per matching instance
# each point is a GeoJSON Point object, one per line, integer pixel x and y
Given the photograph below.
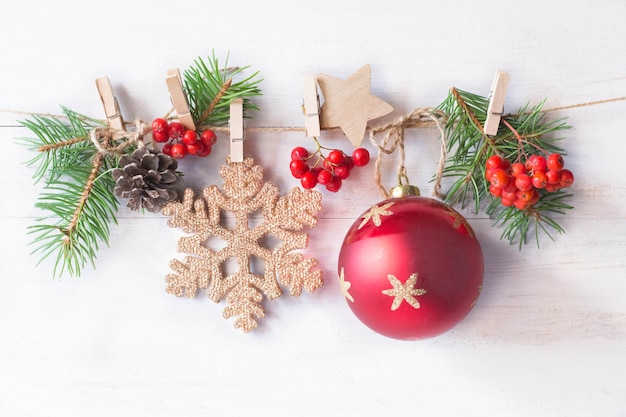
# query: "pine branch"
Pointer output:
{"type": "Point", "coordinates": [519, 135]}
{"type": "Point", "coordinates": [210, 93]}
{"type": "Point", "coordinates": [78, 191]}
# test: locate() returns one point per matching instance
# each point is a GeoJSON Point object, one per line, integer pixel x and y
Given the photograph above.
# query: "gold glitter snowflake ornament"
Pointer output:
{"type": "Point", "coordinates": [243, 194]}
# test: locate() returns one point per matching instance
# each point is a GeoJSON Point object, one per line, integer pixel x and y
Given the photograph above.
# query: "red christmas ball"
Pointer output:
{"type": "Point", "coordinates": [410, 268]}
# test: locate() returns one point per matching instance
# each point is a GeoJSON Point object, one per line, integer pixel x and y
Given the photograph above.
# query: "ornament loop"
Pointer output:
{"type": "Point", "coordinates": [404, 190]}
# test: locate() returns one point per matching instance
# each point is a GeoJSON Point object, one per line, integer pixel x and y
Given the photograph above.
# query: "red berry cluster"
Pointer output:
{"type": "Point", "coordinates": [335, 167]}
{"type": "Point", "coordinates": [179, 141]}
{"type": "Point", "coordinates": [518, 184]}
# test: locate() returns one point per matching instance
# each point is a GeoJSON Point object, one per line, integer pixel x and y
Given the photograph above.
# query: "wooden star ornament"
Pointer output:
{"type": "Point", "coordinates": [349, 105]}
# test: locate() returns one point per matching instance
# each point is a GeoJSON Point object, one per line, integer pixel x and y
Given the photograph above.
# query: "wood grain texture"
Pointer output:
{"type": "Point", "coordinates": [548, 334]}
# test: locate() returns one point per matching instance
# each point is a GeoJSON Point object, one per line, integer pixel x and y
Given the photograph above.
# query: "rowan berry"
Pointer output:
{"type": "Point", "coordinates": [555, 162]}
{"type": "Point", "coordinates": [176, 130]}
{"type": "Point", "coordinates": [160, 137]}
{"type": "Point", "coordinates": [525, 195]}
{"type": "Point", "coordinates": [361, 157]}
{"type": "Point", "coordinates": [298, 167]}
{"type": "Point", "coordinates": [567, 178]}
{"type": "Point", "coordinates": [508, 194]}
{"type": "Point", "coordinates": [178, 150]}
{"type": "Point", "coordinates": [342, 172]}
{"type": "Point", "coordinates": [190, 137]}
{"type": "Point", "coordinates": [194, 148]}
{"type": "Point", "coordinates": [334, 185]}
{"type": "Point", "coordinates": [324, 177]}
{"type": "Point", "coordinates": [206, 150]}
{"type": "Point", "coordinates": [493, 162]}
{"type": "Point", "coordinates": [299, 153]}
{"type": "Point", "coordinates": [538, 163]}
{"type": "Point", "coordinates": [336, 156]}
{"type": "Point", "coordinates": [553, 177]}
{"type": "Point", "coordinates": [523, 182]}
{"type": "Point", "coordinates": [539, 179]}
{"type": "Point", "coordinates": [553, 187]}
{"type": "Point", "coordinates": [308, 180]}
{"type": "Point", "coordinates": [159, 125]}
{"type": "Point", "coordinates": [495, 191]}
{"type": "Point", "coordinates": [517, 168]}
{"type": "Point", "coordinates": [521, 204]}
{"type": "Point", "coordinates": [208, 137]}
{"type": "Point", "coordinates": [499, 178]}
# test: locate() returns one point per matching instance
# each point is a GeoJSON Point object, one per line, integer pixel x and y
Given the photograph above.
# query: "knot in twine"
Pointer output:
{"type": "Point", "coordinates": [101, 137]}
{"type": "Point", "coordinates": [394, 140]}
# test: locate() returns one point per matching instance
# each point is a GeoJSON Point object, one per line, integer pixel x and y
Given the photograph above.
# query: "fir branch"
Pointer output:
{"type": "Point", "coordinates": [210, 94]}
{"type": "Point", "coordinates": [78, 191]}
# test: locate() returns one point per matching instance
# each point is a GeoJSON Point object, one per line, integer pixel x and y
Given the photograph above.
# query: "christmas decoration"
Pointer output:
{"type": "Point", "coordinates": [328, 170]}
{"type": "Point", "coordinates": [283, 218]}
{"type": "Point", "coordinates": [76, 155]}
{"type": "Point", "coordinates": [180, 141]}
{"type": "Point", "coordinates": [349, 104]}
{"type": "Point", "coordinates": [409, 267]}
{"type": "Point", "coordinates": [519, 139]}
{"type": "Point", "coordinates": [148, 179]}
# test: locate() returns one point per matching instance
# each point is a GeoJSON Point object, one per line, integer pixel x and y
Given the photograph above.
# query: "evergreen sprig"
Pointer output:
{"type": "Point", "coordinates": [78, 191]}
{"type": "Point", "coordinates": [210, 89]}
{"type": "Point", "coordinates": [527, 132]}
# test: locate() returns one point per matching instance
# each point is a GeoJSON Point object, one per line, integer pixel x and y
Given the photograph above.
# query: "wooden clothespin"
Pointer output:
{"type": "Point", "coordinates": [111, 107]}
{"type": "Point", "coordinates": [311, 107]}
{"type": "Point", "coordinates": [179, 99]}
{"type": "Point", "coordinates": [496, 102]}
{"type": "Point", "coordinates": [236, 130]}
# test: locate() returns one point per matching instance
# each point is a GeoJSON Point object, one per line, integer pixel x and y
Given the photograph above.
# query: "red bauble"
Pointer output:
{"type": "Point", "coordinates": [411, 268]}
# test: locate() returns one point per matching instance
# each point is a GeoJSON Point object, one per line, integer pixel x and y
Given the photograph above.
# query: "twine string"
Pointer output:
{"type": "Point", "coordinates": [101, 137]}
{"type": "Point", "coordinates": [394, 139]}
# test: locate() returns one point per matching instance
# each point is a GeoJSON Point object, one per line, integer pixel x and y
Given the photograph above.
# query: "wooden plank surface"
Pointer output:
{"type": "Point", "coordinates": [548, 334]}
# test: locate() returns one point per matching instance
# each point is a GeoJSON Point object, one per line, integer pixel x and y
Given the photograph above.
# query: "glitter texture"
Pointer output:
{"type": "Point", "coordinates": [375, 213]}
{"type": "Point", "coordinates": [404, 292]}
{"type": "Point", "coordinates": [243, 194]}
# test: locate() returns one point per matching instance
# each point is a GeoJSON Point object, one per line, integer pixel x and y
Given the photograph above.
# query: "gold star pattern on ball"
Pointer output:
{"type": "Point", "coordinates": [349, 105]}
{"type": "Point", "coordinates": [404, 292]}
{"type": "Point", "coordinates": [244, 194]}
{"type": "Point", "coordinates": [375, 213]}
{"type": "Point", "coordinates": [345, 286]}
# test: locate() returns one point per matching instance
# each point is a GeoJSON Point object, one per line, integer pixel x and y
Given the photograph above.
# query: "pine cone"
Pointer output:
{"type": "Point", "coordinates": [148, 179]}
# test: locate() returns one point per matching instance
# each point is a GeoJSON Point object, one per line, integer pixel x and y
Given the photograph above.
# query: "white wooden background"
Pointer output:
{"type": "Point", "coordinates": [548, 335]}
